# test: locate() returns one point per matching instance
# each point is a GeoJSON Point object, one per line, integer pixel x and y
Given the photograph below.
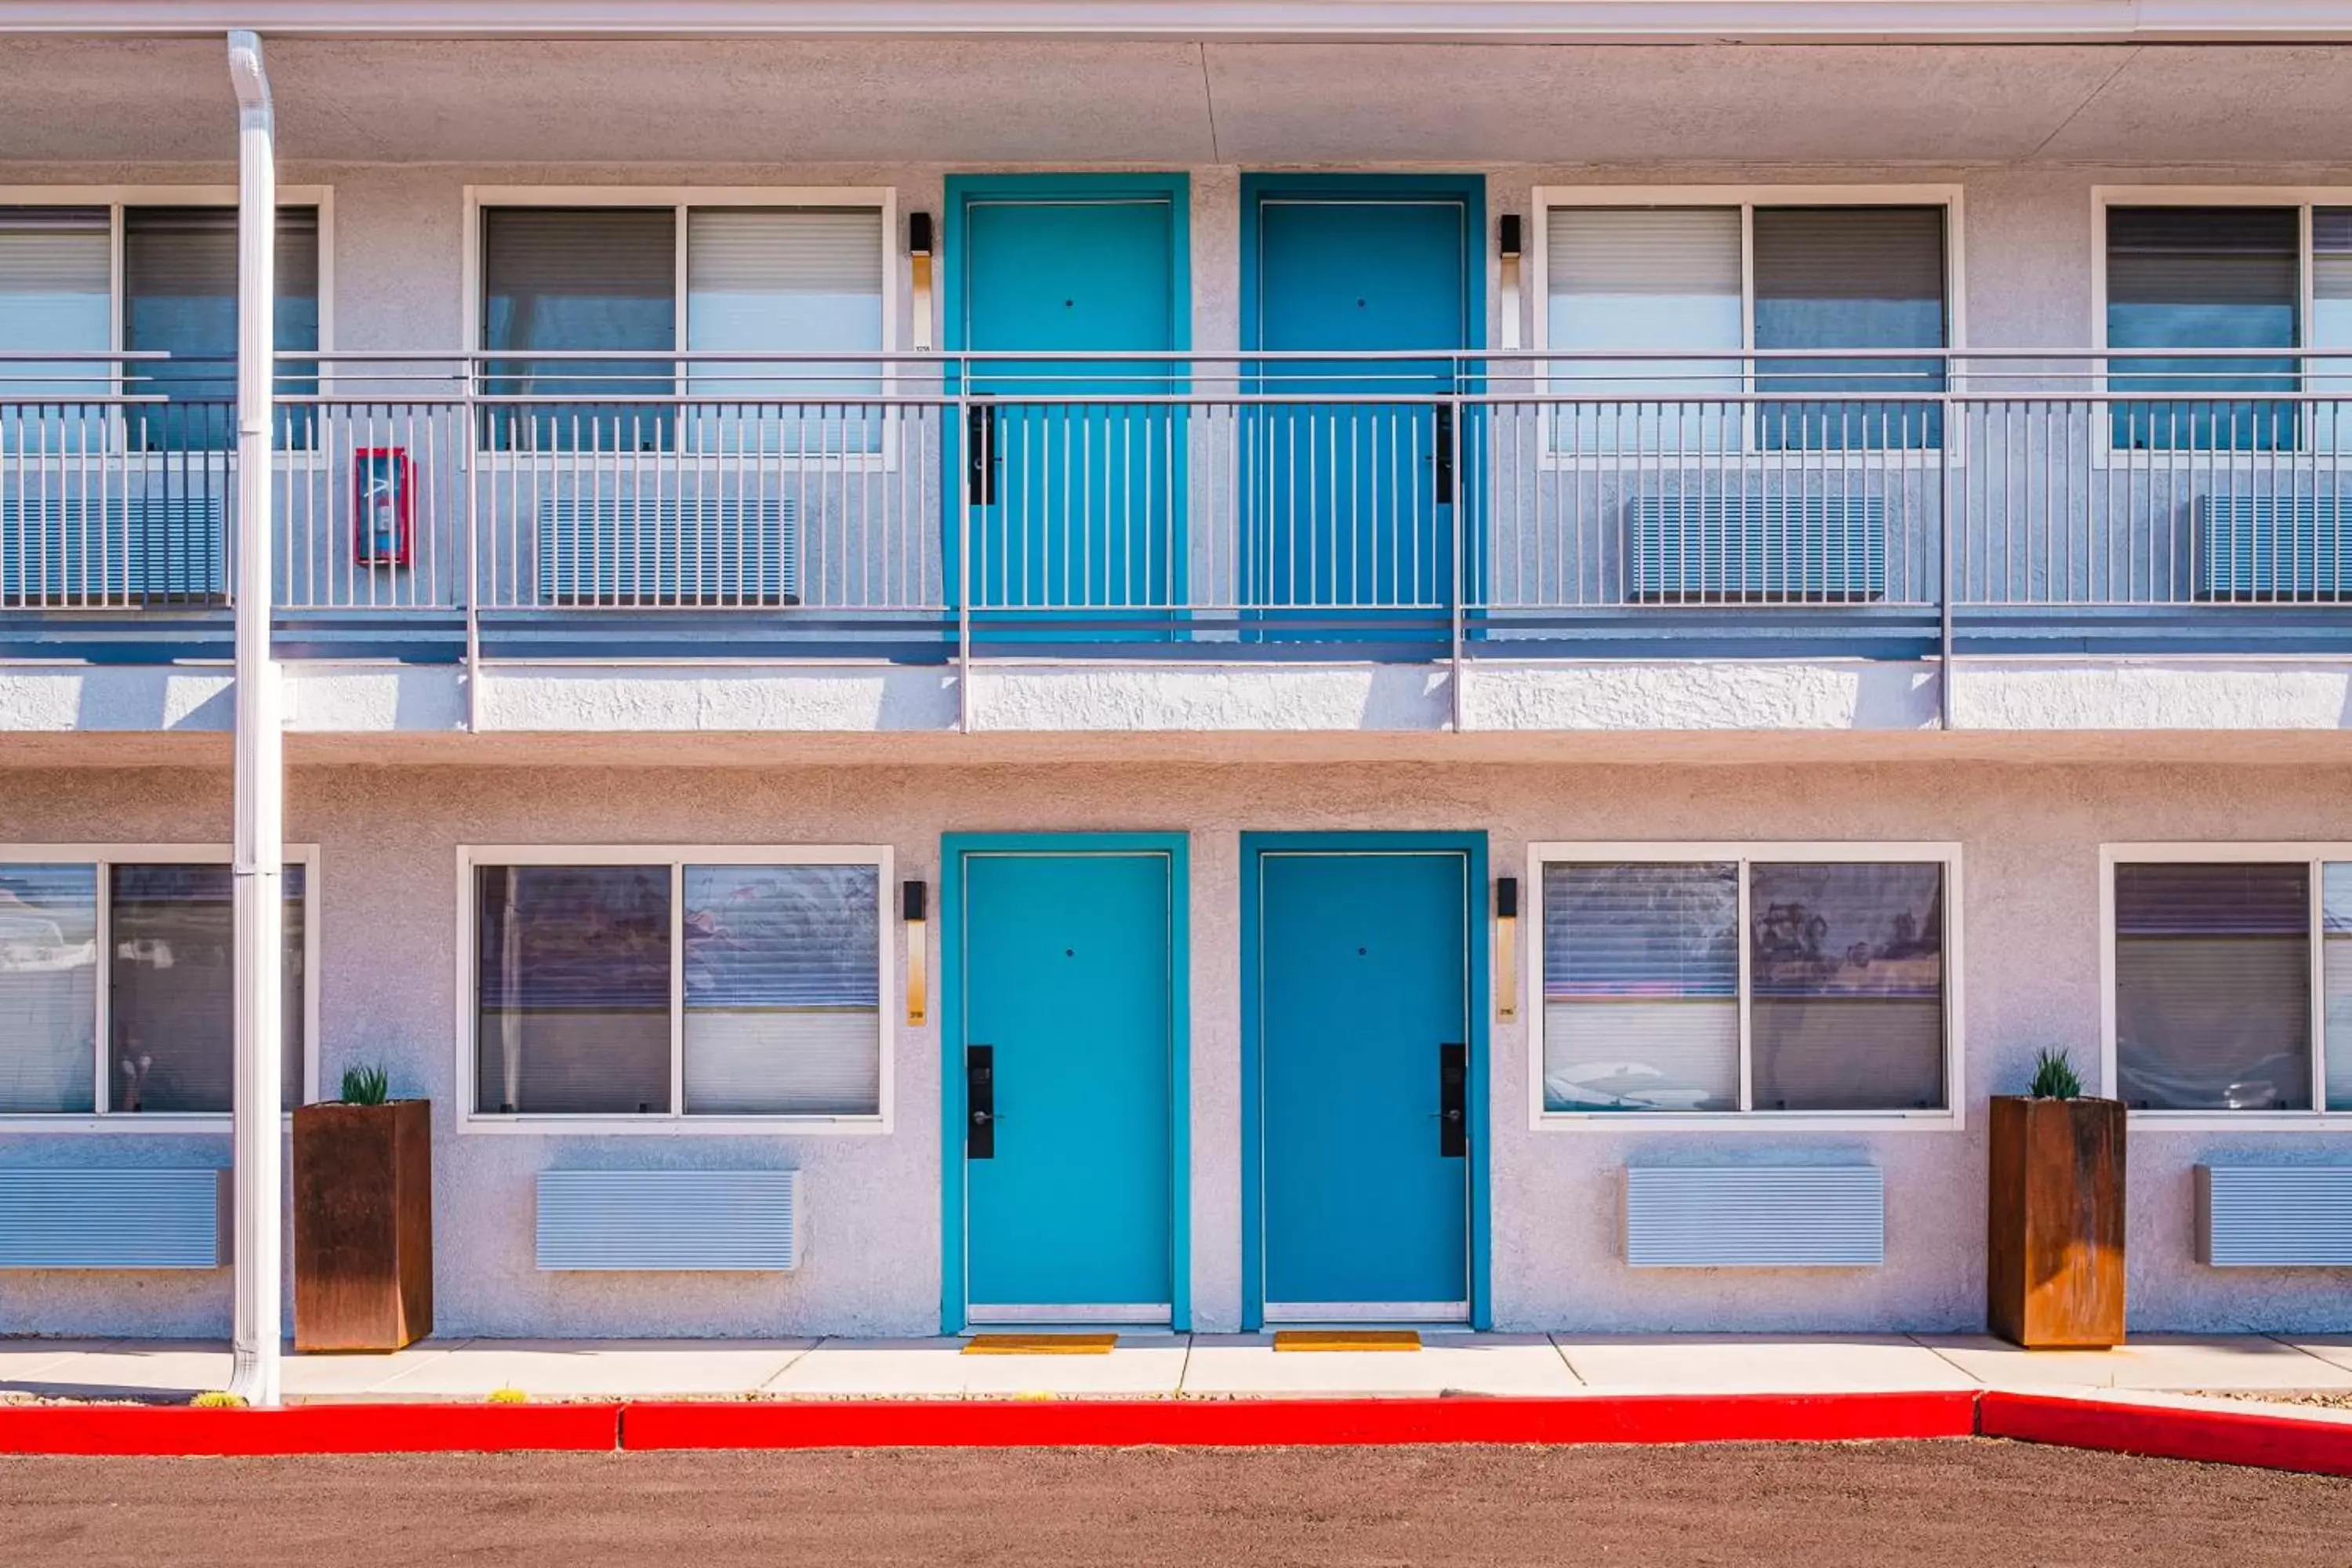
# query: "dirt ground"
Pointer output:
{"type": "Point", "coordinates": [1947, 1503]}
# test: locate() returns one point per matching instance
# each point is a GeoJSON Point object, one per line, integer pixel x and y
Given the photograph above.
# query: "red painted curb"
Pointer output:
{"type": "Point", "coordinates": [2217, 1436]}
{"type": "Point", "coordinates": [179, 1431]}
{"type": "Point", "coordinates": [1254, 1423]}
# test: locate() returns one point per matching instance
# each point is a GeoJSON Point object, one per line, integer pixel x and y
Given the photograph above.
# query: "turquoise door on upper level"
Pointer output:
{"type": "Point", "coordinates": [1071, 469]}
{"type": "Point", "coordinates": [1353, 505]}
{"type": "Point", "coordinates": [1064, 1083]}
{"type": "Point", "coordinates": [1364, 1067]}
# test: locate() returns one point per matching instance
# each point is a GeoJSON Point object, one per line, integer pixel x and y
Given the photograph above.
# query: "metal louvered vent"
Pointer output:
{"type": "Point", "coordinates": [667, 551]}
{"type": "Point", "coordinates": [669, 1220]}
{"type": "Point", "coordinates": [163, 1217]}
{"type": "Point", "coordinates": [2275, 1216]}
{"type": "Point", "coordinates": [1755, 1216]}
{"type": "Point", "coordinates": [72, 550]}
{"type": "Point", "coordinates": [2269, 547]}
{"type": "Point", "coordinates": [1769, 549]}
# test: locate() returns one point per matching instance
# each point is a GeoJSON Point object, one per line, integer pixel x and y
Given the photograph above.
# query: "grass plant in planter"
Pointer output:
{"type": "Point", "coordinates": [2054, 1214]}
{"type": "Point", "coordinates": [362, 1218]}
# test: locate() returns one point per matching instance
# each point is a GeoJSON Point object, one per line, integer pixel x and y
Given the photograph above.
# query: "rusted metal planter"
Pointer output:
{"type": "Point", "coordinates": [363, 1225]}
{"type": "Point", "coordinates": [2055, 1223]}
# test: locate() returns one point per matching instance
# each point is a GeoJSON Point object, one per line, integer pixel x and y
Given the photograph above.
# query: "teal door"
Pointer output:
{"type": "Point", "coordinates": [1354, 504]}
{"type": "Point", "coordinates": [1072, 476]}
{"type": "Point", "coordinates": [1066, 1053]}
{"type": "Point", "coordinates": [1365, 1091]}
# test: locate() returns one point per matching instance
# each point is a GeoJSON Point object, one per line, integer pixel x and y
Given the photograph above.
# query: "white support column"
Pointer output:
{"type": "Point", "coordinates": [259, 910]}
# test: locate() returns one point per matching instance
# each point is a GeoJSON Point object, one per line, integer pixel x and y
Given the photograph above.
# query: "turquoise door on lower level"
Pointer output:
{"type": "Point", "coordinates": [1064, 1081]}
{"type": "Point", "coordinates": [1367, 986]}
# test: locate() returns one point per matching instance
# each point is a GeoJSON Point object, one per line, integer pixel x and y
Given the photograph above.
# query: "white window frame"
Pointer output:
{"type": "Point", "coordinates": [674, 1122]}
{"type": "Point", "coordinates": [2303, 198]}
{"type": "Point", "coordinates": [1952, 1118]}
{"type": "Point", "coordinates": [2312, 853]}
{"type": "Point", "coordinates": [101, 856]}
{"type": "Point", "coordinates": [683, 200]}
{"type": "Point", "coordinates": [115, 198]}
{"type": "Point", "coordinates": [1544, 199]}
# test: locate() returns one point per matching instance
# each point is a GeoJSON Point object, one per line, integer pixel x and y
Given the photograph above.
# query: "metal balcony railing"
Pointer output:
{"type": "Point", "coordinates": [1513, 503]}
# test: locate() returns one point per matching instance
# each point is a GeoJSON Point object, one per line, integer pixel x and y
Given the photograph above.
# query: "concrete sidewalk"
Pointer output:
{"type": "Point", "coordinates": [1197, 1366]}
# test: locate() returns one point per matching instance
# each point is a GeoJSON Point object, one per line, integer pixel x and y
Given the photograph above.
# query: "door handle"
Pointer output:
{"type": "Point", "coordinates": [1453, 1100]}
{"type": "Point", "coordinates": [979, 455]}
{"type": "Point", "coordinates": [1445, 456]}
{"type": "Point", "coordinates": [980, 1102]}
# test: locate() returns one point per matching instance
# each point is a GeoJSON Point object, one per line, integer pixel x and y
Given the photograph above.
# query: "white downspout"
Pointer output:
{"type": "Point", "coordinates": [259, 910]}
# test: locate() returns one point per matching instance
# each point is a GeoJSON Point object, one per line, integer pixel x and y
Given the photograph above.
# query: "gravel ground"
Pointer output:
{"type": "Point", "coordinates": [1845, 1506]}
{"type": "Point", "coordinates": [2322, 1398]}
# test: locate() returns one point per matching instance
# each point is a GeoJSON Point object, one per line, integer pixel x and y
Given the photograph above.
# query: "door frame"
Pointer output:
{"type": "Point", "coordinates": [1476, 1002]}
{"type": "Point", "coordinates": [1175, 188]}
{"type": "Point", "coordinates": [954, 849]}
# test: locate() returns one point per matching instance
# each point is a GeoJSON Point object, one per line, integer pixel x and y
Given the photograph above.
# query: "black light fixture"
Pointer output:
{"type": "Point", "coordinates": [914, 902]}
{"type": "Point", "coordinates": [1506, 947]}
{"type": "Point", "coordinates": [1510, 244]}
{"type": "Point", "coordinates": [919, 234]}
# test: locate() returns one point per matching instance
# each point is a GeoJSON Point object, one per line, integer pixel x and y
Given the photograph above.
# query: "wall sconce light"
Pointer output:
{"type": "Point", "coordinates": [1510, 232]}
{"type": "Point", "coordinates": [913, 902]}
{"type": "Point", "coordinates": [1506, 947]}
{"type": "Point", "coordinates": [919, 255]}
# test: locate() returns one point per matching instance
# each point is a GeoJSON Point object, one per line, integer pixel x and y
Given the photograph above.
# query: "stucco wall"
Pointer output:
{"type": "Point", "coordinates": [388, 838]}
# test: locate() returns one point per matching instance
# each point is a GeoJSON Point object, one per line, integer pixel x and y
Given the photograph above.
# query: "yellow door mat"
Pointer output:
{"type": "Point", "coordinates": [1347, 1340]}
{"type": "Point", "coordinates": [1040, 1344]}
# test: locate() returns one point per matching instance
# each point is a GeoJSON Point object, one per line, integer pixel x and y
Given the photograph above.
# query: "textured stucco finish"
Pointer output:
{"type": "Point", "coordinates": [2031, 835]}
{"type": "Point", "coordinates": [2015, 697]}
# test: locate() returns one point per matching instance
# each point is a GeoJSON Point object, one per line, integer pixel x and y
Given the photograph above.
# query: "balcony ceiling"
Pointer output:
{"type": "Point", "coordinates": [773, 101]}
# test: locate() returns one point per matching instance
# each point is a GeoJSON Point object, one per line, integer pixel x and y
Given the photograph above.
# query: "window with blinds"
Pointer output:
{"type": "Point", "coordinates": [759, 288]}
{"type": "Point", "coordinates": [1640, 987]}
{"type": "Point", "coordinates": [1836, 1004]}
{"type": "Point", "coordinates": [1848, 278]}
{"type": "Point", "coordinates": [588, 285]}
{"type": "Point", "coordinates": [57, 295]}
{"type": "Point", "coordinates": [178, 274]}
{"type": "Point", "coordinates": [1631, 282]}
{"type": "Point", "coordinates": [139, 1022]}
{"type": "Point", "coordinates": [2213, 979]}
{"type": "Point", "coordinates": [614, 989]}
{"type": "Point", "coordinates": [2204, 278]}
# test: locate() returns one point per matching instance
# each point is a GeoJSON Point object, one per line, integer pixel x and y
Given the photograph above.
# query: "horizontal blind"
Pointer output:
{"type": "Point", "coordinates": [580, 279]}
{"type": "Point", "coordinates": [1632, 280]}
{"type": "Point", "coordinates": [1850, 277]}
{"type": "Point", "coordinates": [57, 269]}
{"type": "Point", "coordinates": [2213, 985]}
{"type": "Point", "coordinates": [1640, 987]}
{"type": "Point", "coordinates": [2221, 277]}
{"type": "Point", "coordinates": [782, 990]}
{"type": "Point", "coordinates": [807, 279]}
{"type": "Point", "coordinates": [1637, 277]}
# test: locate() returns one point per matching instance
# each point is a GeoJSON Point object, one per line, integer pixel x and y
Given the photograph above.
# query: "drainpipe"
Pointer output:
{"type": "Point", "coordinates": [259, 910]}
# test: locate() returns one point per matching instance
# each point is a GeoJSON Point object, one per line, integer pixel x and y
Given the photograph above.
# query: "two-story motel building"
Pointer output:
{"type": "Point", "coordinates": [1449, 663]}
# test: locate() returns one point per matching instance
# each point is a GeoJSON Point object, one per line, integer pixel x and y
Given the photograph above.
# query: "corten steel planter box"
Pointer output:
{"type": "Point", "coordinates": [2054, 1224]}
{"type": "Point", "coordinates": [363, 1225]}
